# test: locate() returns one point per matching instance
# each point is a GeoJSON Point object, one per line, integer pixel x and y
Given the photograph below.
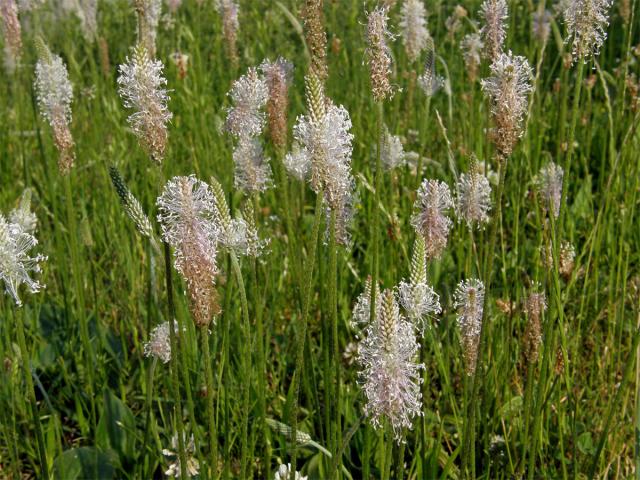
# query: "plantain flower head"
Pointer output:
{"type": "Point", "coordinates": [431, 220]}
{"type": "Point", "coordinates": [322, 153]}
{"type": "Point", "coordinates": [534, 306]}
{"type": "Point", "coordinates": [495, 14]}
{"type": "Point", "coordinates": [316, 37]}
{"type": "Point", "coordinates": [16, 262]}
{"type": "Point", "coordinates": [413, 24]}
{"type": "Point", "coordinates": [417, 297]}
{"type": "Point", "coordinates": [55, 93]}
{"type": "Point", "coordinates": [549, 185]}
{"type": "Point", "coordinates": [586, 22]}
{"type": "Point", "coordinates": [12, 32]}
{"type": "Point", "coordinates": [390, 375]}
{"type": "Point", "coordinates": [186, 214]}
{"type": "Point", "coordinates": [229, 9]}
{"type": "Point", "coordinates": [469, 300]}
{"type": "Point", "coordinates": [159, 345]}
{"type": "Point", "coordinates": [278, 78]}
{"type": "Point", "coordinates": [378, 54]}
{"type": "Point", "coordinates": [472, 46]}
{"type": "Point", "coordinates": [474, 197]}
{"type": "Point", "coordinates": [508, 89]}
{"type": "Point", "coordinates": [141, 86]}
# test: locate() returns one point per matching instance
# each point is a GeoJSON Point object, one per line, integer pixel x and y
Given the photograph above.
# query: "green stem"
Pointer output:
{"type": "Point", "coordinates": [76, 273]}
{"type": "Point", "coordinates": [213, 435]}
{"type": "Point", "coordinates": [333, 305]}
{"type": "Point", "coordinates": [148, 401]}
{"type": "Point", "coordinates": [26, 360]}
{"type": "Point", "coordinates": [572, 130]}
{"type": "Point", "coordinates": [175, 380]}
{"type": "Point", "coordinates": [246, 366]}
{"type": "Point", "coordinates": [302, 329]}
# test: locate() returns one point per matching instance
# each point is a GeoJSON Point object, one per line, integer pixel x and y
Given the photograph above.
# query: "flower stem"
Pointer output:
{"type": "Point", "coordinates": [246, 366]}
{"type": "Point", "coordinates": [175, 363]}
{"type": "Point", "coordinates": [213, 435]}
{"type": "Point", "coordinates": [301, 335]}
{"type": "Point", "coordinates": [26, 360]}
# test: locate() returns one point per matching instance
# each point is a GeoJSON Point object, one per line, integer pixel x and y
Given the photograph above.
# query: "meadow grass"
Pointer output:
{"type": "Point", "coordinates": [273, 379]}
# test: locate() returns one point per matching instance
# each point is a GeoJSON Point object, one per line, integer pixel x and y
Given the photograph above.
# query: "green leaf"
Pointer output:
{"type": "Point", "coordinates": [81, 463]}
{"type": "Point", "coordinates": [116, 427]}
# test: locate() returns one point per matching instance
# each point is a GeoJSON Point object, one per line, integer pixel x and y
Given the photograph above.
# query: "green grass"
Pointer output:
{"type": "Point", "coordinates": [107, 411]}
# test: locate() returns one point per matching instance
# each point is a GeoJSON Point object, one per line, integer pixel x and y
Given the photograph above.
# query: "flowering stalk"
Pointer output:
{"type": "Point", "coordinates": [55, 94]}
{"type": "Point", "coordinates": [141, 86]}
{"type": "Point", "coordinates": [301, 334]}
{"type": "Point", "coordinates": [12, 33]}
{"type": "Point", "coordinates": [175, 380]}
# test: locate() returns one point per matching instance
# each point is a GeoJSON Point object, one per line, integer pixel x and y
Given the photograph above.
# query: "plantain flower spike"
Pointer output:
{"type": "Point", "coordinates": [316, 37]}
{"type": "Point", "coordinates": [148, 12]}
{"type": "Point", "coordinates": [413, 24]}
{"type": "Point", "coordinates": [229, 9]}
{"type": "Point", "coordinates": [508, 89]}
{"type": "Point", "coordinates": [12, 32]}
{"type": "Point", "coordinates": [534, 306]}
{"type": "Point", "coordinates": [55, 94]}
{"type": "Point", "coordinates": [141, 87]}
{"type": "Point", "coordinates": [417, 297]}
{"type": "Point", "coordinates": [187, 216]}
{"type": "Point", "coordinates": [379, 54]}
{"type": "Point", "coordinates": [392, 152]}
{"type": "Point", "coordinates": [22, 216]}
{"type": "Point", "coordinates": [468, 300]}
{"type": "Point", "coordinates": [132, 206]}
{"type": "Point", "coordinates": [541, 25]}
{"type": "Point", "coordinates": [474, 197]}
{"type": "Point", "coordinates": [549, 185]}
{"type": "Point", "coordinates": [322, 153]}
{"type": "Point", "coordinates": [495, 14]}
{"type": "Point", "coordinates": [249, 95]}
{"type": "Point", "coordinates": [429, 81]}
{"type": "Point", "coordinates": [586, 22]}
{"type": "Point", "coordinates": [361, 314]}
{"type": "Point", "coordinates": [237, 234]}
{"type": "Point", "coordinates": [390, 375]}
{"type": "Point", "coordinates": [16, 262]}
{"type": "Point", "coordinates": [159, 345]}
{"type": "Point", "coordinates": [430, 220]}
{"type": "Point", "coordinates": [472, 46]}
{"type": "Point", "coordinates": [245, 121]}
{"type": "Point", "coordinates": [278, 78]}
